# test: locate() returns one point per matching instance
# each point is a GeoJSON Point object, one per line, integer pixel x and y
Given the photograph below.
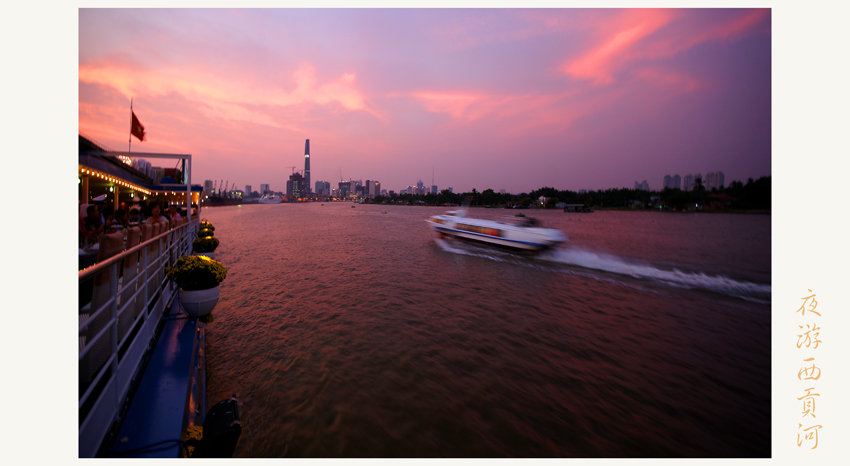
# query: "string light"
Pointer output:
{"type": "Point", "coordinates": [113, 180]}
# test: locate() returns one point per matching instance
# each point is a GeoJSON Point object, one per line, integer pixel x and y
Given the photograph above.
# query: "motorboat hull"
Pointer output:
{"type": "Point", "coordinates": [504, 235]}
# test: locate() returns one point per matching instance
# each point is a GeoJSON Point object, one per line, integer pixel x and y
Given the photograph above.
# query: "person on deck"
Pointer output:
{"type": "Point", "coordinates": [156, 216]}
{"type": "Point", "coordinates": [136, 215]}
{"type": "Point", "coordinates": [92, 225]}
{"type": "Point", "coordinates": [107, 213]}
{"type": "Point", "coordinates": [120, 219]}
{"type": "Point", "coordinates": [173, 214]}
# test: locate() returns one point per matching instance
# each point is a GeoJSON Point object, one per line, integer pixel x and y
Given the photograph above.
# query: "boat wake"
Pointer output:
{"type": "Point", "coordinates": [593, 261]}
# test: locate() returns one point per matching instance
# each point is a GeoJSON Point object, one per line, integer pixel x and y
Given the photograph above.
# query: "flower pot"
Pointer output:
{"type": "Point", "coordinates": [211, 255]}
{"type": "Point", "coordinates": [198, 303]}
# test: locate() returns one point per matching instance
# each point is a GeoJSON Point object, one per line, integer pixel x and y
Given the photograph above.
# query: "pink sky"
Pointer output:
{"type": "Point", "coordinates": [505, 99]}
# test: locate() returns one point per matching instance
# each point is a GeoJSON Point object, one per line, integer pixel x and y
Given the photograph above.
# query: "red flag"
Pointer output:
{"type": "Point", "coordinates": [137, 129]}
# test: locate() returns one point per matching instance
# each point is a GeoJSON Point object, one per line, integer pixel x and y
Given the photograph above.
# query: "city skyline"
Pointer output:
{"type": "Point", "coordinates": [504, 99]}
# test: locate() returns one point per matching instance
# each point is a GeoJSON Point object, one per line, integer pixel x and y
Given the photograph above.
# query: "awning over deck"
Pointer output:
{"type": "Point", "coordinates": [102, 172]}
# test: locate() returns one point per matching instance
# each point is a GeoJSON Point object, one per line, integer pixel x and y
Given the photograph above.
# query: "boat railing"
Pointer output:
{"type": "Point", "coordinates": [130, 294]}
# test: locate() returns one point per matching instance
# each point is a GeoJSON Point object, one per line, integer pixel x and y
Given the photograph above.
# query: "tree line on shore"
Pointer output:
{"type": "Point", "coordinates": [754, 195]}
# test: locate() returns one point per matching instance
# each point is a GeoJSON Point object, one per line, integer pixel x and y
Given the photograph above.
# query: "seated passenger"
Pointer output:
{"type": "Point", "coordinates": [120, 219]}
{"type": "Point", "coordinates": [173, 214]}
{"type": "Point", "coordinates": [92, 225]}
{"type": "Point", "coordinates": [156, 217]}
{"type": "Point", "coordinates": [107, 214]}
{"type": "Point", "coordinates": [135, 215]}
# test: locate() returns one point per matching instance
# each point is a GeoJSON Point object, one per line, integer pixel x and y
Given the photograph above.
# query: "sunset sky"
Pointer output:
{"type": "Point", "coordinates": [509, 99]}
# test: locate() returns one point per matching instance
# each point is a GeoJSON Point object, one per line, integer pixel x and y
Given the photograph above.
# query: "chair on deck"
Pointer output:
{"type": "Point", "coordinates": [110, 245]}
{"type": "Point", "coordinates": [149, 254]}
{"type": "Point", "coordinates": [131, 270]}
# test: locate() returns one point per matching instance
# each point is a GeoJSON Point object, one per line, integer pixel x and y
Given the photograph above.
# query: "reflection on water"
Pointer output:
{"type": "Point", "coordinates": [353, 333]}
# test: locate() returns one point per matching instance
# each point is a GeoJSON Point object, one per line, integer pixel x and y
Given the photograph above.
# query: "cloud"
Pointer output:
{"type": "Point", "coordinates": [651, 34]}
{"type": "Point", "coordinates": [456, 105]}
{"type": "Point", "coordinates": [621, 34]}
{"type": "Point", "coordinates": [229, 97]}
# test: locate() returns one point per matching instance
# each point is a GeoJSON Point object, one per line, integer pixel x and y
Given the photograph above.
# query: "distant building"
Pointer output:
{"type": "Point", "coordinates": [451, 190]}
{"type": "Point", "coordinates": [323, 188]}
{"type": "Point", "coordinates": [673, 182]}
{"type": "Point", "coordinates": [374, 188]}
{"type": "Point", "coordinates": [714, 180]}
{"type": "Point", "coordinates": [344, 186]}
{"type": "Point", "coordinates": [296, 187]}
{"type": "Point", "coordinates": [582, 191]}
{"type": "Point", "coordinates": [264, 189]}
{"type": "Point", "coordinates": [391, 193]}
{"type": "Point", "coordinates": [248, 190]}
{"type": "Point", "coordinates": [420, 188]}
{"type": "Point", "coordinates": [688, 182]}
{"type": "Point", "coordinates": [433, 189]}
{"type": "Point", "coordinates": [501, 191]}
{"type": "Point", "coordinates": [644, 186]}
{"type": "Point", "coordinates": [208, 187]}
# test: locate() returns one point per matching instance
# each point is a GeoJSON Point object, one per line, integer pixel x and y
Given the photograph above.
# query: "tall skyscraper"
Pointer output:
{"type": "Point", "coordinates": [247, 190]}
{"type": "Point", "coordinates": [208, 187]}
{"type": "Point", "coordinates": [307, 167]}
{"type": "Point", "coordinates": [264, 188]}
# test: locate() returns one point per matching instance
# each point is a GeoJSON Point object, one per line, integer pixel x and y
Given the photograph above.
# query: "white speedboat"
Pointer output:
{"type": "Point", "coordinates": [271, 199]}
{"type": "Point", "coordinates": [523, 234]}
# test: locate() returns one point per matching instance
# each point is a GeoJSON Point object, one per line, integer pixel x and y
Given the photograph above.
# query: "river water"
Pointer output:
{"type": "Point", "coordinates": [355, 332]}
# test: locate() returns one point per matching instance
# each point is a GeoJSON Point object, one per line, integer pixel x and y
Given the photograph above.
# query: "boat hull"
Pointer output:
{"type": "Point", "coordinates": [497, 234]}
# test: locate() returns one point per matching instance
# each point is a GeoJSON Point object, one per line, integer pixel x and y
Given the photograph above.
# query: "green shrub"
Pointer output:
{"type": "Point", "coordinates": [205, 233]}
{"type": "Point", "coordinates": [192, 273]}
{"type": "Point", "coordinates": [205, 225]}
{"type": "Point", "coordinates": [206, 244]}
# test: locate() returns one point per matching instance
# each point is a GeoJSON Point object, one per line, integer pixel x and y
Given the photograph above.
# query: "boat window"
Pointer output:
{"type": "Point", "coordinates": [478, 229]}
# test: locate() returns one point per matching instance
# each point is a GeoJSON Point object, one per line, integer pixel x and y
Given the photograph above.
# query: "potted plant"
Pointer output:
{"type": "Point", "coordinates": [205, 246]}
{"type": "Point", "coordinates": [205, 233]}
{"type": "Point", "coordinates": [198, 278]}
{"type": "Point", "coordinates": [205, 225]}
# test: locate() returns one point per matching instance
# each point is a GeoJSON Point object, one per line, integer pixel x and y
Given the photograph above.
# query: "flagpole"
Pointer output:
{"type": "Point", "coordinates": [130, 137]}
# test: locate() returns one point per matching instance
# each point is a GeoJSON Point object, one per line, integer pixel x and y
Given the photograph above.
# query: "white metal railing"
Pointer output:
{"type": "Point", "coordinates": [115, 336]}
